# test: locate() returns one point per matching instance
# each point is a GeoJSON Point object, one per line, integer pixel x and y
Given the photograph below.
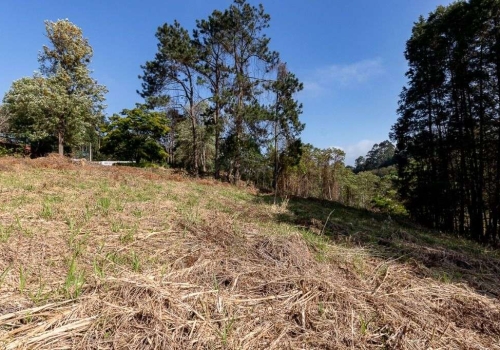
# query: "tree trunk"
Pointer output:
{"type": "Point", "coordinates": [217, 136]}
{"type": "Point", "coordinates": [195, 143]}
{"type": "Point", "coordinates": [275, 177]}
{"type": "Point", "coordinates": [60, 138]}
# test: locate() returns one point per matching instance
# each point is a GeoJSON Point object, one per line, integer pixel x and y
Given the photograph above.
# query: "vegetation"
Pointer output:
{"type": "Point", "coordinates": [217, 101]}
{"type": "Point", "coordinates": [215, 79]}
{"type": "Point", "coordinates": [380, 156]}
{"type": "Point", "coordinates": [448, 136]}
{"type": "Point", "coordinates": [62, 100]}
{"type": "Point", "coordinates": [148, 258]}
{"type": "Point", "coordinates": [138, 134]}
{"type": "Point", "coordinates": [321, 173]}
{"type": "Point", "coordinates": [305, 252]}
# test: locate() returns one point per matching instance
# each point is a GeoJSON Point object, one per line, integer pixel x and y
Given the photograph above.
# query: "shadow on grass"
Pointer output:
{"type": "Point", "coordinates": [436, 255]}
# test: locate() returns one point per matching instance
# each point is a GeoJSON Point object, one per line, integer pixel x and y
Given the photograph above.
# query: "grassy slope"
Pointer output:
{"type": "Point", "coordinates": [102, 258]}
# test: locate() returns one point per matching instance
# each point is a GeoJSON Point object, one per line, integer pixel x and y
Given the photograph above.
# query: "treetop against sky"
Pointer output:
{"type": "Point", "coordinates": [349, 55]}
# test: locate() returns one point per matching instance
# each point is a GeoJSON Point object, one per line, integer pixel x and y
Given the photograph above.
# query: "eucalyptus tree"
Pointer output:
{"type": "Point", "coordinates": [63, 100]}
{"type": "Point", "coordinates": [381, 155]}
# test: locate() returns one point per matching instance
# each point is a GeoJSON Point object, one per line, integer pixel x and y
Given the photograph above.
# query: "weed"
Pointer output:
{"type": "Point", "coordinates": [317, 243]}
{"type": "Point", "coordinates": [47, 206]}
{"type": "Point", "coordinates": [443, 277]}
{"type": "Point", "coordinates": [104, 203]}
{"type": "Point", "coordinates": [224, 334]}
{"type": "Point", "coordinates": [104, 186]}
{"type": "Point", "coordinates": [136, 265]}
{"type": "Point", "coordinates": [29, 187]}
{"type": "Point", "coordinates": [119, 205]}
{"type": "Point", "coordinates": [363, 324]}
{"type": "Point", "coordinates": [71, 224]}
{"type": "Point", "coordinates": [21, 200]}
{"type": "Point", "coordinates": [23, 230]}
{"type": "Point", "coordinates": [142, 196]}
{"type": "Point", "coordinates": [129, 236]}
{"type": "Point", "coordinates": [74, 280]}
{"type": "Point", "coordinates": [358, 262]}
{"type": "Point", "coordinates": [39, 297]}
{"type": "Point", "coordinates": [115, 258]}
{"type": "Point", "coordinates": [116, 226]}
{"type": "Point", "coordinates": [98, 267]}
{"type": "Point", "coordinates": [22, 278]}
{"type": "Point", "coordinates": [321, 309]}
{"type": "Point", "coordinates": [88, 212]}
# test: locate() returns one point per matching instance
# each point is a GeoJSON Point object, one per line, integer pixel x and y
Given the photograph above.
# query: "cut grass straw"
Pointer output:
{"type": "Point", "coordinates": [182, 271]}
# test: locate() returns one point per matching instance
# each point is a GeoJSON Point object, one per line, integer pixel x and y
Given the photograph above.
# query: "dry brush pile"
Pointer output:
{"type": "Point", "coordinates": [122, 258]}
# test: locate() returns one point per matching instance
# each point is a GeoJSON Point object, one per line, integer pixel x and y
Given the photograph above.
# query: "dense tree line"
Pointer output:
{"type": "Point", "coordinates": [448, 132]}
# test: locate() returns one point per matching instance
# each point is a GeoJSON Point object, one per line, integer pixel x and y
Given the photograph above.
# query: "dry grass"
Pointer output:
{"type": "Point", "coordinates": [104, 258]}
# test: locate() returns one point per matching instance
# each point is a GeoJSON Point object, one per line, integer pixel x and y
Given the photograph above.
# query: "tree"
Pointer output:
{"type": "Point", "coordinates": [63, 101]}
{"type": "Point", "coordinates": [137, 135]}
{"type": "Point", "coordinates": [448, 130]}
{"type": "Point", "coordinates": [248, 49]}
{"type": "Point", "coordinates": [359, 164]}
{"type": "Point", "coordinates": [285, 122]}
{"type": "Point", "coordinates": [223, 70]}
{"type": "Point", "coordinates": [381, 155]}
{"type": "Point", "coordinates": [175, 71]}
{"type": "Point", "coordinates": [215, 73]}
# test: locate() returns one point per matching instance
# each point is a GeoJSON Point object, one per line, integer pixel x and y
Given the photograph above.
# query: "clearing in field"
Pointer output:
{"type": "Point", "coordinates": [123, 258]}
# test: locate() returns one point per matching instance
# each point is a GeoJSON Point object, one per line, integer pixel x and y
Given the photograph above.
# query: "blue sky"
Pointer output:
{"type": "Point", "coordinates": [348, 54]}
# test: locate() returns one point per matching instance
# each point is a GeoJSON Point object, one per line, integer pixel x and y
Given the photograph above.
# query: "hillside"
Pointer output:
{"type": "Point", "coordinates": [101, 258]}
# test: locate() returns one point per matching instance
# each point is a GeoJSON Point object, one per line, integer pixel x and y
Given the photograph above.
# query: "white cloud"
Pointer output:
{"type": "Point", "coordinates": [352, 74]}
{"type": "Point", "coordinates": [353, 151]}
{"type": "Point", "coordinates": [343, 76]}
{"type": "Point", "coordinates": [311, 86]}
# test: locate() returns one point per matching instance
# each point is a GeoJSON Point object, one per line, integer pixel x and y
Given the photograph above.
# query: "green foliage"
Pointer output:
{"type": "Point", "coordinates": [174, 71]}
{"type": "Point", "coordinates": [321, 173]}
{"type": "Point", "coordinates": [184, 146]}
{"type": "Point", "coordinates": [9, 151]}
{"type": "Point", "coordinates": [136, 135]}
{"type": "Point", "coordinates": [215, 79]}
{"type": "Point", "coordinates": [447, 134]}
{"type": "Point", "coordinates": [4, 119]}
{"type": "Point", "coordinates": [380, 156]}
{"type": "Point", "coordinates": [74, 281]}
{"type": "Point", "coordinates": [22, 278]}
{"type": "Point", "coordinates": [286, 126]}
{"type": "Point", "coordinates": [63, 100]}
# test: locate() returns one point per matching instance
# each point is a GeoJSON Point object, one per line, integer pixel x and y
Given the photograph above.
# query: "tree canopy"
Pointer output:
{"type": "Point", "coordinates": [138, 134]}
{"type": "Point", "coordinates": [448, 131]}
{"type": "Point", "coordinates": [217, 78]}
{"type": "Point", "coordinates": [62, 100]}
{"type": "Point", "coordinates": [380, 156]}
